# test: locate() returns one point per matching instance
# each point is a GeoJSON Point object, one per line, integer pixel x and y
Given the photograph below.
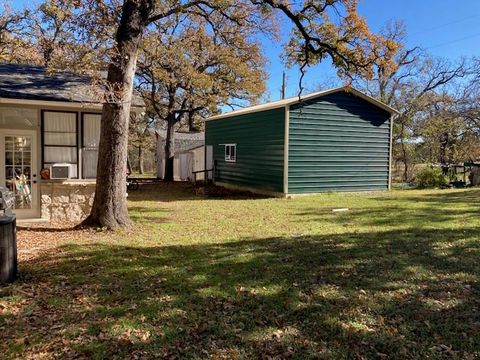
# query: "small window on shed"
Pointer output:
{"type": "Point", "coordinates": [231, 152]}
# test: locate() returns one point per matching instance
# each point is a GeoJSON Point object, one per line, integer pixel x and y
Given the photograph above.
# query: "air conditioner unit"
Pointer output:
{"type": "Point", "coordinates": [61, 171]}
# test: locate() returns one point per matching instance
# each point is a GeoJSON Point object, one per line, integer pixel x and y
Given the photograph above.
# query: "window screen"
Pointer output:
{"type": "Point", "coordinates": [90, 140]}
{"type": "Point", "coordinates": [60, 139]}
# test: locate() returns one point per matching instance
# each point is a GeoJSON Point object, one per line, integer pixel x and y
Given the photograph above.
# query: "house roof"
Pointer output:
{"type": "Point", "coordinates": [31, 82]}
{"type": "Point", "coordinates": [188, 150]}
{"type": "Point", "coordinates": [183, 135]}
{"type": "Point", "coordinates": [297, 100]}
{"type": "Point", "coordinates": [184, 140]}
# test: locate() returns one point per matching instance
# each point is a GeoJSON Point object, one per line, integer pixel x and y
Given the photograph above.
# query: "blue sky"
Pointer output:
{"type": "Point", "coordinates": [445, 28]}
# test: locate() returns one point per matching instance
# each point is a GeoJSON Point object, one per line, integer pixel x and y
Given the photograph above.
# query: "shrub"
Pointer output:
{"type": "Point", "coordinates": [431, 178]}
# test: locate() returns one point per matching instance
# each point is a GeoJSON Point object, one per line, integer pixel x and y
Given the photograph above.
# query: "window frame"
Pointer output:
{"type": "Point", "coordinates": [42, 139]}
{"type": "Point", "coordinates": [228, 158]}
{"type": "Point", "coordinates": [82, 145]}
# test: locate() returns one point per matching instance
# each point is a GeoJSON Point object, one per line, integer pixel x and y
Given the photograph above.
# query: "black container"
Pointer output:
{"type": "Point", "coordinates": [8, 248]}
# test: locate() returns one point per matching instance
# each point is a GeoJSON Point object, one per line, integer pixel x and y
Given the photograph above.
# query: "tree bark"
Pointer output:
{"type": "Point", "coordinates": [169, 149]}
{"type": "Point", "coordinates": [109, 208]}
{"type": "Point", "coordinates": [129, 166]}
{"type": "Point", "coordinates": [405, 162]}
{"type": "Point", "coordinates": [444, 142]}
{"type": "Point", "coordinates": [404, 153]}
{"type": "Point", "coordinates": [191, 124]}
{"type": "Point", "coordinates": [141, 157]}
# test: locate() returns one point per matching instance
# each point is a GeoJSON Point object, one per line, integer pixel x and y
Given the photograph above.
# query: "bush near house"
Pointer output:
{"type": "Point", "coordinates": [397, 277]}
{"type": "Point", "coordinates": [431, 177]}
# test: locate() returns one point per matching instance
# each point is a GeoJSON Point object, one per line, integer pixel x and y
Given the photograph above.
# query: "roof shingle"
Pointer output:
{"type": "Point", "coordinates": [31, 82]}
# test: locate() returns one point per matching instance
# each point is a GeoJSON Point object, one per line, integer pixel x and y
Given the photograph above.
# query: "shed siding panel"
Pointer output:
{"type": "Point", "coordinates": [260, 149]}
{"type": "Point", "coordinates": [338, 142]}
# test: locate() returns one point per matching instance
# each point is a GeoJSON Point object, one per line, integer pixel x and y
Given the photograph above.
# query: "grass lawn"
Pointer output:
{"type": "Point", "coordinates": [145, 175]}
{"type": "Point", "coordinates": [395, 277]}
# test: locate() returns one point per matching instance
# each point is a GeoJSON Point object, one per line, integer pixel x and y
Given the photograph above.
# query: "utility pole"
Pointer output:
{"type": "Point", "coordinates": [284, 85]}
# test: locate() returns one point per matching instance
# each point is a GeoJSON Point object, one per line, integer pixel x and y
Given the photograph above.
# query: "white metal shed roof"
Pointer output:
{"type": "Point", "coordinates": [296, 100]}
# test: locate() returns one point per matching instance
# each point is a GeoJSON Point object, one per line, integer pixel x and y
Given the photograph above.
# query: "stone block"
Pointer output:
{"type": "Point", "coordinates": [46, 211]}
{"type": "Point", "coordinates": [66, 202]}
{"type": "Point", "coordinates": [46, 199]}
{"type": "Point", "coordinates": [57, 214]}
{"type": "Point", "coordinates": [77, 198]}
{"type": "Point", "coordinates": [74, 212]}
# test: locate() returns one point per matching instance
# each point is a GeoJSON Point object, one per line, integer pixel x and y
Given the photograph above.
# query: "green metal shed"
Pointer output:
{"type": "Point", "coordinates": [333, 140]}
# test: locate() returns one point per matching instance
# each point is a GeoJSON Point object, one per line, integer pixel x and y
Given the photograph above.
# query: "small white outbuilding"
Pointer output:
{"type": "Point", "coordinates": [187, 162]}
{"type": "Point", "coordinates": [189, 156]}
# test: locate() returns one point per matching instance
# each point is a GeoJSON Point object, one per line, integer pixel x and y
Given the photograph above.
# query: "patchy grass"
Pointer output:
{"type": "Point", "coordinates": [146, 175]}
{"type": "Point", "coordinates": [395, 277]}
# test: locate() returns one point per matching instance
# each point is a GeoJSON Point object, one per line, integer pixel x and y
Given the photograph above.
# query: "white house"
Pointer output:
{"type": "Point", "coordinates": [49, 134]}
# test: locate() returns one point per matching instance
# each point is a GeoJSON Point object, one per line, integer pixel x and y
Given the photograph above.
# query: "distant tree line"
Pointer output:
{"type": "Point", "coordinates": [438, 100]}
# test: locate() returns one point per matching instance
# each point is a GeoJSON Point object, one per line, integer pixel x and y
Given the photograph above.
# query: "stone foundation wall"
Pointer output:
{"type": "Point", "coordinates": [66, 201]}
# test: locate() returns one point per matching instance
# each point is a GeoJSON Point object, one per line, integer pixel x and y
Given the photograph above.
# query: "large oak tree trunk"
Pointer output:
{"type": "Point", "coordinates": [141, 158]}
{"type": "Point", "coordinates": [109, 208]}
{"type": "Point", "coordinates": [169, 149]}
{"type": "Point", "coordinates": [191, 123]}
{"type": "Point", "coordinates": [129, 166]}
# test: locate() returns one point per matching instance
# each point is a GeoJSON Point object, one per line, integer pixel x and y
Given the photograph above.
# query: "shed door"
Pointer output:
{"type": "Point", "coordinates": [183, 167]}
{"type": "Point", "coordinates": [198, 155]}
{"type": "Point", "coordinates": [189, 167]}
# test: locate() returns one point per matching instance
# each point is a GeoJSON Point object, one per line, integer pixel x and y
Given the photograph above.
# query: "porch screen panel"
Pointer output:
{"type": "Point", "coordinates": [60, 144]}
{"type": "Point", "coordinates": [90, 141]}
{"type": "Point", "coordinates": [18, 118]}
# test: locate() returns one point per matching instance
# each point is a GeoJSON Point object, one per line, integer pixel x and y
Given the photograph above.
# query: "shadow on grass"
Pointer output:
{"type": "Point", "coordinates": [402, 294]}
{"type": "Point", "coordinates": [140, 214]}
{"type": "Point", "coordinates": [185, 191]}
{"type": "Point", "coordinates": [164, 192]}
{"type": "Point", "coordinates": [470, 196]}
